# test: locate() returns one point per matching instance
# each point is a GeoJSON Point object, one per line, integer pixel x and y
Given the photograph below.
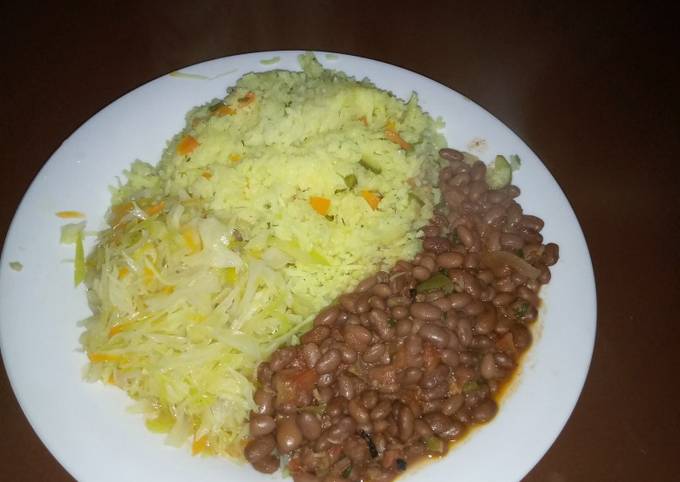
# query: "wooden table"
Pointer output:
{"type": "Point", "coordinates": [593, 91]}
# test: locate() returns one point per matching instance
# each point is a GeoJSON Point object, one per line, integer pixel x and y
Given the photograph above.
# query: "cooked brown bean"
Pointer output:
{"type": "Point", "coordinates": [285, 408]}
{"type": "Point", "coordinates": [336, 407]}
{"type": "Point", "coordinates": [374, 353]}
{"type": "Point", "coordinates": [463, 416]}
{"type": "Point", "coordinates": [504, 360]}
{"type": "Point", "coordinates": [544, 277]}
{"type": "Point", "coordinates": [464, 331]}
{"type": "Point", "coordinates": [325, 380]}
{"type": "Point", "coordinates": [267, 465]}
{"type": "Point", "coordinates": [329, 361]}
{"type": "Point", "coordinates": [357, 450]}
{"type": "Point", "coordinates": [450, 260]}
{"type": "Point", "coordinates": [428, 261]}
{"type": "Point", "coordinates": [463, 374]}
{"type": "Point", "coordinates": [327, 316]}
{"type": "Point", "coordinates": [478, 170]}
{"type": "Point", "coordinates": [482, 343]}
{"type": "Point", "coordinates": [471, 261]}
{"type": "Point", "coordinates": [381, 410]}
{"type": "Point", "coordinates": [425, 311]}
{"type": "Point", "coordinates": [436, 244]}
{"type": "Point", "coordinates": [528, 295]}
{"type": "Point", "coordinates": [405, 423]}
{"type": "Point", "coordinates": [468, 358]}
{"type": "Point", "coordinates": [474, 308]}
{"type": "Point", "coordinates": [421, 273]}
{"type": "Point", "coordinates": [533, 223]}
{"type": "Point", "coordinates": [311, 354]}
{"type": "Point", "coordinates": [452, 404]}
{"type": "Point", "coordinates": [531, 236]}
{"type": "Point", "coordinates": [505, 285]}
{"type": "Point", "coordinates": [403, 327]}
{"type": "Point", "coordinates": [494, 215]}
{"type": "Point", "coordinates": [339, 432]}
{"type": "Point", "coordinates": [382, 289]}
{"type": "Point", "coordinates": [485, 411]}
{"type": "Point", "coordinates": [459, 179]}
{"type": "Point", "coordinates": [486, 322]}
{"type": "Point", "coordinates": [460, 300]}
{"type": "Point", "coordinates": [345, 387]}
{"type": "Point", "coordinates": [465, 235]}
{"type": "Point", "coordinates": [259, 448]}
{"type": "Point", "coordinates": [518, 278]}
{"type": "Point", "coordinates": [358, 412]}
{"type": "Point", "coordinates": [443, 303]}
{"type": "Point", "coordinates": [485, 276]}
{"type": "Point", "coordinates": [437, 392]}
{"type": "Point", "coordinates": [487, 294]}
{"type": "Point", "coordinates": [502, 299]}
{"type": "Point", "coordinates": [379, 316]}
{"type": "Point", "coordinates": [366, 284]}
{"type": "Point", "coordinates": [362, 305]}
{"type": "Point", "coordinates": [435, 334]}
{"type": "Point", "coordinates": [496, 197]}
{"type": "Point", "coordinates": [513, 215]}
{"type": "Point", "coordinates": [357, 337]}
{"type": "Point", "coordinates": [399, 312]}
{"type": "Point", "coordinates": [454, 431]}
{"type": "Point", "coordinates": [422, 429]}
{"type": "Point", "coordinates": [430, 406]}
{"type": "Point", "coordinates": [412, 375]}
{"type": "Point", "coordinates": [450, 357]}
{"type": "Point", "coordinates": [414, 345]}
{"type": "Point", "coordinates": [281, 357]}
{"type": "Point", "coordinates": [349, 302]}
{"type": "Point", "coordinates": [471, 285]}
{"type": "Point", "coordinates": [511, 242]}
{"type": "Point", "coordinates": [377, 302]}
{"type": "Point", "coordinates": [369, 399]}
{"type": "Point", "coordinates": [261, 425]}
{"type": "Point", "coordinates": [347, 355]}
{"type": "Point", "coordinates": [309, 425]}
{"type": "Point", "coordinates": [438, 422]}
{"type": "Point", "coordinates": [264, 399]}
{"type": "Point", "coordinates": [435, 377]}
{"type": "Point", "coordinates": [488, 368]}
{"type": "Point", "coordinates": [394, 301]}
{"type": "Point", "coordinates": [431, 230]}
{"type": "Point", "coordinates": [551, 254]}
{"type": "Point", "coordinates": [521, 336]}
{"type": "Point", "coordinates": [383, 377]}
{"type": "Point", "coordinates": [449, 154]}
{"type": "Point", "coordinates": [493, 240]}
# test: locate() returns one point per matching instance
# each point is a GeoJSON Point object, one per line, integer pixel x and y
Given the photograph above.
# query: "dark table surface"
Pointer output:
{"type": "Point", "coordinates": [592, 90]}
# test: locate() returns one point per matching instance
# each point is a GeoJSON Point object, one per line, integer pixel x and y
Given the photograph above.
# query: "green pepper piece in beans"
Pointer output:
{"type": "Point", "coordinates": [437, 282]}
{"type": "Point", "coordinates": [499, 173]}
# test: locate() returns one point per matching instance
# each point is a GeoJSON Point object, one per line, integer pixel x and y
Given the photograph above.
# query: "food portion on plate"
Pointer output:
{"type": "Point", "coordinates": [309, 274]}
{"type": "Point", "coordinates": [396, 370]}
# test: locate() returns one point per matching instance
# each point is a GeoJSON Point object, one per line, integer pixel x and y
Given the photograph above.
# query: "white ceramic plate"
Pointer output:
{"type": "Point", "coordinates": [86, 426]}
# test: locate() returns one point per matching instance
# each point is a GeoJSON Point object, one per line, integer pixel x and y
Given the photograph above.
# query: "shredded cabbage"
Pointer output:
{"type": "Point", "coordinates": [184, 316]}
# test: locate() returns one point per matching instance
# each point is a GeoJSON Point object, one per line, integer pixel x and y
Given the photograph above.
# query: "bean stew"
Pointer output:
{"type": "Point", "coordinates": [404, 365]}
